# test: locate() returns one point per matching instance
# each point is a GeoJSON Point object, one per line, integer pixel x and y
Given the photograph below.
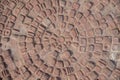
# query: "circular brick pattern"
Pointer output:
{"type": "Point", "coordinates": [59, 39]}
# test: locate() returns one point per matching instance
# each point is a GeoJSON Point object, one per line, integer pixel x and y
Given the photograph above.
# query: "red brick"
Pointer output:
{"type": "Point", "coordinates": [98, 31]}
{"type": "Point", "coordinates": [41, 1]}
{"type": "Point", "coordinates": [22, 44]}
{"type": "Point", "coordinates": [89, 4]}
{"type": "Point", "coordinates": [49, 70]}
{"type": "Point", "coordinates": [33, 68]}
{"type": "Point", "coordinates": [100, 6]}
{"type": "Point", "coordinates": [39, 62]}
{"type": "Point", "coordinates": [43, 67]}
{"type": "Point", "coordinates": [7, 11]}
{"type": "Point", "coordinates": [56, 71]}
{"type": "Point", "coordinates": [12, 18]}
{"type": "Point", "coordinates": [102, 77]}
{"type": "Point", "coordinates": [6, 32]}
{"type": "Point", "coordinates": [93, 75]}
{"type": "Point", "coordinates": [48, 3]}
{"type": "Point", "coordinates": [62, 3]}
{"type": "Point", "coordinates": [5, 2]}
{"type": "Point", "coordinates": [73, 77]}
{"type": "Point", "coordinates": [72, 13]}
{"type": "Point", "coordinates": [85, 70]}
{"type": "Point", "coordinates": [2, 67]}
{"type": "Point", "coordinates": [98, 39]}
{"type": "Point", "coordinates": [82, 48]}
{"type": "Point", "coordinates": [55, 3]}
{"type": "Point", "coordinates": [48, 12]}
{"type": "Point", "coordinates": [16, 11]}
{"type": "Point", "coordinates": [116, 47]}
{"type": "Point", "coordinates": [79, 15]}
{"type": "Point", "coordinates": [91, 40]}
{"type": "Point", "coordinates": [11, 66]}
{"type": "Point", "coordinates": [98, 16]}
{"type": "Point", "coordinates": [1, 26]}
{"type": "Point", "coordinates": [33, 55]}
{"type": "Point", "coordinates": [3, 18]}
{"type": "Point", "coordinates": [27, 75]}
{"type": "Point", "coordinates": [91, 47]}
{"type": "Point", "coordinates": [98, 47]}
{"type": "Point", "coordinates": [75, 5]}
{"type": "Point", "coordinates": [31, 77]}
{"type": "Point", "coordinates": [1, 7]}
{"type": "Point", "coordinates": [66, 63]}
{"type": "Point", "coordinates": [28, 20]}
{"type": "Point", "coordinates": [14, 74]}
{"type": "Point", "coordinates": [74, 33]}
{"type": "Point", "coordinates": [97, 69]}
{"type": "Point", "coordinates": [90, 65]}
{"type": "Point", "coordinates": [107, 71]}
{"type": "Point", "coordinates": [59, 64]}
{"type": "Point", "coordinates": [52, 18]}
{"type": "Point", "coordinates": [39, 73]}
{"type": "Point", "coordinates": [12, 4]}
{"type": "Point", "coordinates": [46, 76]}
{"type": "Point", "coordinates": [24, 11]}
{"type": "Point", "coordinates": [111, 64]}
{"type": "Point", "coordinates": [29, 6]}
{"type": "Point", "coordinates": [87, 13]}
{"type": "Point", "coordinates": [102, 63]}
{"type": "Point", "coordinates": [90, 33]}
{"type": "Point", "coordinates": [106, 47]}
{"type": "Point", "coordinates": [9, 25]}
{"type": "Point", "coordinates": [107, 39]}
{"type": "Point", "coordinates": [79, 74]}
{"type": "Point", "coordinates": [115, 31]}
{"type": "Point", "coordinates": [83, 41]}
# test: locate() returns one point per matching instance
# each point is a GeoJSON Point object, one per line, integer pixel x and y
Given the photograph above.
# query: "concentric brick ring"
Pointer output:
{"type": "Point", "coordinates": [59, 39]}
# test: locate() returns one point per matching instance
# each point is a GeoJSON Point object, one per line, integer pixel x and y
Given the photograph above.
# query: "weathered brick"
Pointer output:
{"type": "Point", "coordinates": [28, 20]}
{"type": "Point", "coordinates": [7, 11]}
{"type": "Point", "coordinates": [98, 39]}
{"type": "Point", "coordinates": [91, 47]}
{"type": "Point", "coordinates": [72, 77]}
{"type": "Point", "coordinates": [98, 47]}
{"type": "Point", "coordinates": [9, 25]}
{"type": "Point", "coordinates": [102, 77]}
{"type": "Point", "coordinates": [3, 18]}
{"type": "Point", "coordinates": [49, 70]}
{"type": "Point", "coordinates": [48, 12]}
{"type": "Point", "coordinates": [1, 7]}
{"type": "Point", "coordinates": [75, 6]}
{"type": "Point", "coordinates": [79, 15]}
{"type": "Point", "coordinates": [90, 65]}
{"type": "Point", "coordinates": [93, 75]}
{"type": "Point", "coordinates": [91, 40]}
{"type": "Point", "coordinates": [29, 6]}
{"type": "Point", "coordinates": [16, 11]}
{"type": "Point", "coordinates": [106, 71]}
{"type": "Point", "coordinates": [97, 69]}
{"type": "Point", "coordinates": [12, 4]}
{"type": "Point", "coordinates": [12, 18]}
{"type": "Point", "coordinates": [6, 32]}
{"type": "Point", "coordinates": [72, 13]}
{"type": "Point", "coordinates": [116, 47]}
{"type": "Point", "coordinates": [24, 11]}
{"type": "Point", "coordinates": [1, 26]}
{"type": "Point", "coordinates": [98, 32]}
{"type": "Point", "coordinates": [62, 3]}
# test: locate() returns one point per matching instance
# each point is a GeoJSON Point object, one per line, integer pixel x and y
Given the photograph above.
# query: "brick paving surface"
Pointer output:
{"type": "Point", "coordinates": [59, 39]}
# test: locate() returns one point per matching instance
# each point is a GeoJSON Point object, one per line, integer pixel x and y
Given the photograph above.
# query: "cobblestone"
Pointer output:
{"type": "Point", "coordinates": [59, 39]}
